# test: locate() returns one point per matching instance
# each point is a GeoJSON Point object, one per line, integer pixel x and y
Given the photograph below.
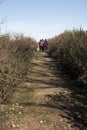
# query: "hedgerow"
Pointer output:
{"type": "Point", "coordinates": [15, 57]}
{"type": "Point", "coordinates": [70, 48]}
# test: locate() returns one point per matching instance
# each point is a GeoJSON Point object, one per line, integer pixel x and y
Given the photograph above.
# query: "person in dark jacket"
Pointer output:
{"type": "Point", "coordinates": [45, 44]}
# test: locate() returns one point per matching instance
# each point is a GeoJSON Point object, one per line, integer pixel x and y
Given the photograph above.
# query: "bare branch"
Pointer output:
{"type": "Point", "coordinates": [3, 21]}
{"type": "Point", "coordinates": [1, 1]}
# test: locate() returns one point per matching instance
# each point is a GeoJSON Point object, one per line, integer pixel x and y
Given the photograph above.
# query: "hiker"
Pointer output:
{"type": "Point", "coordinates": [41, 42]}
{"type": "Point", "coordinates": [45, 44]}
{"type": "Point", "coordinates": [40, 47]}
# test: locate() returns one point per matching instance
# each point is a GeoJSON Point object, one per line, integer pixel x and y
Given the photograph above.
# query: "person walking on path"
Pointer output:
{"type": "Point", "coordinates": [41, 43]}
{"type": "Point", "coordinates": [45, 45]}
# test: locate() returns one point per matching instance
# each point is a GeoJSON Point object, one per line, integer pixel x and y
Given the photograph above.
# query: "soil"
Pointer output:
{"type": "Point", "coordinates": [44, 101]}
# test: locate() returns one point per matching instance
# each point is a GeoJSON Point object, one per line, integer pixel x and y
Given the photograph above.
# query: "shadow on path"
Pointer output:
{"type": "Point", "coordinates": [66, 101]}
{"type": "Point", "coordinates": [73, 108]}
{"type": "Point", "coordinates": [74, 112]}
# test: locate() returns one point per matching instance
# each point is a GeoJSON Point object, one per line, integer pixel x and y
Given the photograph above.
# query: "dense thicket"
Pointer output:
{"type": "Point", "coordinates": [15, 57]}
{"type": "Point", "coordinates": [70, 48]}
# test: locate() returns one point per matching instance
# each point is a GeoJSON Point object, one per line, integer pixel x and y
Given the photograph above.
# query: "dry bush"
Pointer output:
{"type": "Point", "coordinates": [70, 48]}
{"type": "Point", "coordinates": [15, 56]}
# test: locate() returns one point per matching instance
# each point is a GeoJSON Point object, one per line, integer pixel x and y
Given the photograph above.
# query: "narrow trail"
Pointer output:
{"type": "Point", "coordinates": [43, 102]}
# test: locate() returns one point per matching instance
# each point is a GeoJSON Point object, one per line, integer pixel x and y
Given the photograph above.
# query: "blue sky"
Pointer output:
{"type": "Point", "coordinates": [42, 18]}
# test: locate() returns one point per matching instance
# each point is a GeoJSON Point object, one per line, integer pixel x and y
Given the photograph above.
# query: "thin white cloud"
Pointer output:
{"type": "Point", "coordinates": [36, 31]}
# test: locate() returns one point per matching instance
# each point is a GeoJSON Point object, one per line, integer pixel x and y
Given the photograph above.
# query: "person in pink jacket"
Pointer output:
{"type": "Point", "coordinates": [41, 42]}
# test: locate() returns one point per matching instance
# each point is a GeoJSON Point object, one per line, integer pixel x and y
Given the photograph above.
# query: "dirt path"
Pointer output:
{"type": "Point", "coordinates": [43, 102]}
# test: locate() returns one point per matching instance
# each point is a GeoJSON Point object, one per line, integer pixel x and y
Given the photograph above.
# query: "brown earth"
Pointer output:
{"type": "Point", "coordinates": [44, 101]}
